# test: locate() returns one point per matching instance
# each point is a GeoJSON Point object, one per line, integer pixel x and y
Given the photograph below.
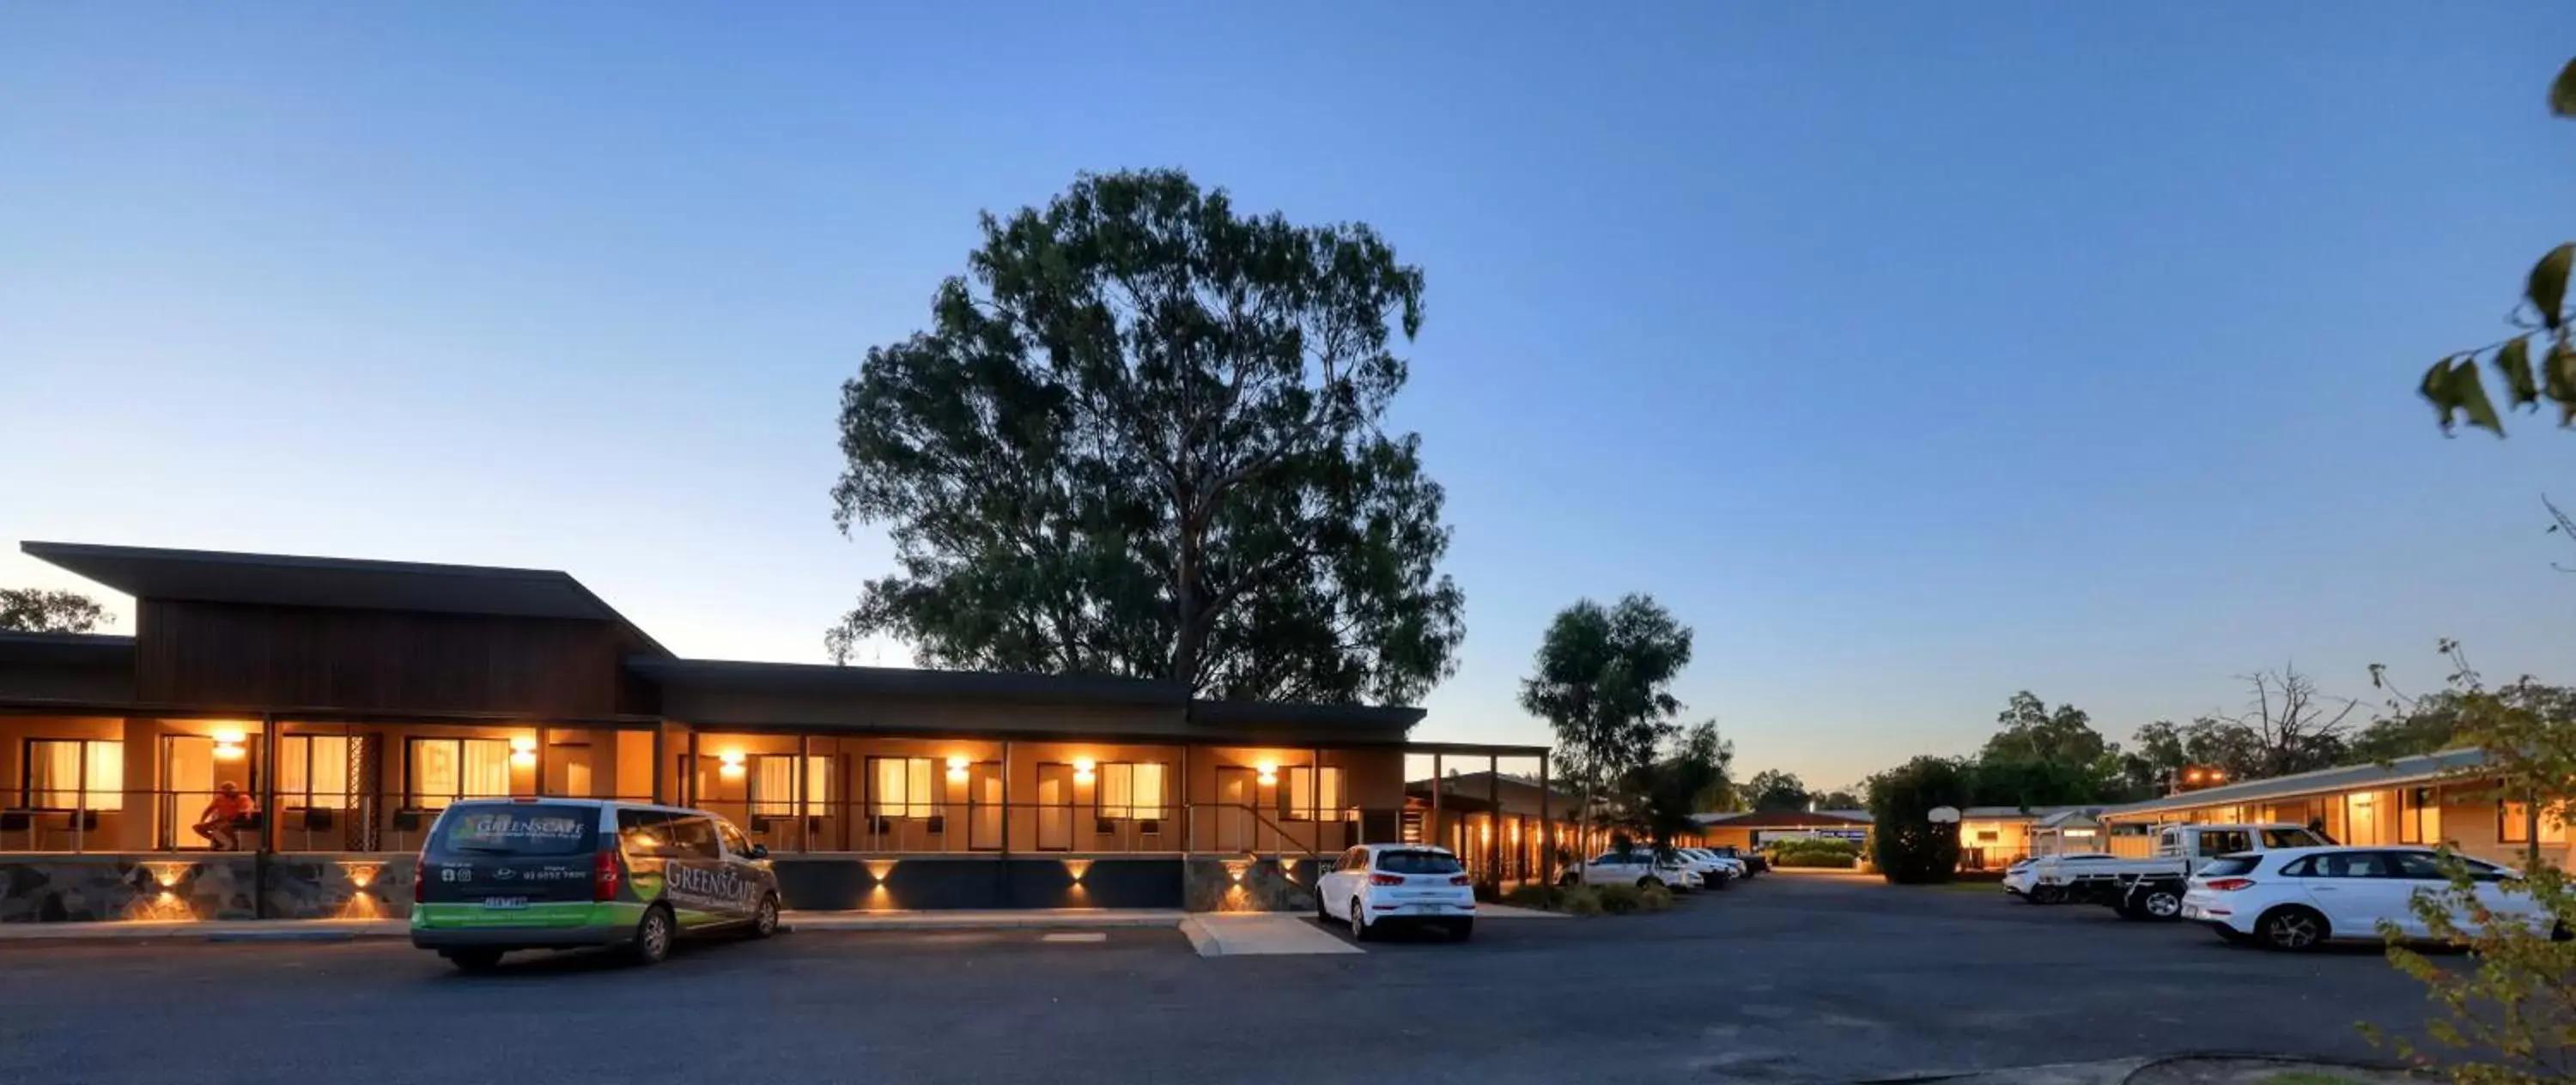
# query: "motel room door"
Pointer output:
{"type": "Point", "coordinates": [984, 805]}
{"type": "Point", "coordinates": [1236, 793]}
{"type": "Point", "coordinates": [1055, 807]}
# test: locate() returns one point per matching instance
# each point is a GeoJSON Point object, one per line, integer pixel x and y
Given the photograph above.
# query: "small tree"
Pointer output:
{"type": "Point", "coordinates": [1909, 846]}
{"type": "Point", "coordinates": [34, 610]}
{"type": "Point", "coordinates": [1603, 681]}
{"type": "Point", "coordinates": [1661, 797]}
{"type": "Point", "coordinates": [1771, 789]}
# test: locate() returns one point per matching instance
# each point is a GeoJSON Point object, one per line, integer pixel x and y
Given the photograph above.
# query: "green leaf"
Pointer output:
{"type": "Point", "coordinates": [2513, 365]}
{"type": "Point", "coordinates": [2561, 382]}
{"type": "Point", "coordinates": [2562, 92]}
{"type": "Point", "coordinates": [2437, 391]}
{"type": "Point", "coordinates": [2469, 392]}
{"type": "Point", "coordinates": [2548, 286]}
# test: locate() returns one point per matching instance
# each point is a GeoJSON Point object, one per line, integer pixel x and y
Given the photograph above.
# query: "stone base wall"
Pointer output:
{"type": "Point", "coordinates": [1212, 884]}
{"type": "Point", "coordinates": [352, 886]}
{"type": "Point", "coordinates": [76, 888]}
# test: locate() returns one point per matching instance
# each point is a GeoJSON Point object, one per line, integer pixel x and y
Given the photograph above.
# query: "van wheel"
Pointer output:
{"type": "Point", "coordinates": [473, 960]}
{"type": "Point", "coordinates": [652, 940]}
{"type": "Point", "coordinates": [764, 921]}
{"type": "Point", "coordinates": [2160, 903]}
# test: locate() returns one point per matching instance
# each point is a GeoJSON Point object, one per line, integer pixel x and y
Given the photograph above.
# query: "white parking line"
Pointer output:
{"type": "Point", "coordinates": [1074, 936]}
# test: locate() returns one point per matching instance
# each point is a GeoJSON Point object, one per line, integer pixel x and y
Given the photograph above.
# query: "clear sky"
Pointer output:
{"type": "Point", "coordinates": [1913, 353]}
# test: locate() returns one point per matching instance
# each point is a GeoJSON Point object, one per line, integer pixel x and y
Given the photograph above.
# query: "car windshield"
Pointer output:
{"type": "Point", "coordinates": [1418, 862]}
{"type": "Point", "coordinates": [518, 829]}
{"type": "Point", "coordinates": [2291, 838]}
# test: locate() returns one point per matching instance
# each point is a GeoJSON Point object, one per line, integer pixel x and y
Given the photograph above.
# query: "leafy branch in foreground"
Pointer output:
{"type": "Point", "coordinates": [2537, 361]}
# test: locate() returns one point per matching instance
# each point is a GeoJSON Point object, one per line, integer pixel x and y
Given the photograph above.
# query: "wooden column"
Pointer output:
{"type": "Point", "coordinates": [804, 813]}
{"type": "Point", "coordinates": [1546, 830]}
{"type": "Point", "coordinates": [1494, 819]}
{"type": "Point", "coordinates": [1432, 833]}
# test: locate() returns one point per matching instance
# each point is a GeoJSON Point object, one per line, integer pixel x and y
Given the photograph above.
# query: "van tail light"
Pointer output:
{"type": "Point", "coordinates": [2230, 885]}
{"type": "Point", "coordinates": [604, 876]}
{"type": "Point", "coordinates": [1457, 879]}
{"type": "Point", "coordinates": [420, 878]}
{"type": "Point", "coordinates": [1386, 879]}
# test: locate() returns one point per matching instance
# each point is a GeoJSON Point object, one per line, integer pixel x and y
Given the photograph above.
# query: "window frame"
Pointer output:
{"type": "Point", "coordinates": [81, 791]}
{"type": "Point", "coordinates": [817, 769]}
{"type": "Point", "coordinates": [1290, 795]}
{"type": "Point", "coordinates": [287, 799]}
{"type": "Point", "coordinates": [877, 805]}
{"type": "Point", "coordinates": [1133, 810]}
{"type": "Point", "coordinates": [2417, 808]}
{"type": "Point", "coordinates": [411, 770]}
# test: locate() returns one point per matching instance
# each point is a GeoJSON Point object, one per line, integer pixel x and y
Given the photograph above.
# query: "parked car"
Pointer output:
{"type": "Point", "coordinates": [1754, 864]}
{"type": "Point", "coordinates": [1377, 886]}
{"type": "Point", "coordinates": [1636, 866]}
{"type": "Point", "coordinates": [2022, 878]}
{"type": "Point", "coordinates": [2152, 888]}
{"type": "Point", "coordinates": [2298, 898]}
{"type": "Point", "coordinates": [508, 874]}
{"type": "Point", "coordinates": [1715, 871]}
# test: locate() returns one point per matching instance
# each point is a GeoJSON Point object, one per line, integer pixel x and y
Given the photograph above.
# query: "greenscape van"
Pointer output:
{"type": "Point", "coordinates": [504, 874]}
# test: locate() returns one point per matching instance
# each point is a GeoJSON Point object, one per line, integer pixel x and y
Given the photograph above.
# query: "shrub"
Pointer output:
{"type": "Point", "coordinates": [1911, 847]}
{"type": "Point", "coordinates": [1816, 859]}
{"type": "Point", "coordinates": [1654, 898]}
{"type": "Point", "coordinates": [1582, 900]}
{"type": "Point", "coordinates": [1534, 896]}
{"type": "Point", "coordinates": [1620, 899]}
{"type": "Point", "coordinates": [1815, 852]}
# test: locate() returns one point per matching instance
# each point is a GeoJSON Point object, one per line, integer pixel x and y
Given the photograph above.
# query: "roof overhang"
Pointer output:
{"type": "Point", "coordinates": [816, 678]}
{"type": "Point", "coordinates": [2423, 768]}
{"type": "Point", "coordinates": [286, 580]}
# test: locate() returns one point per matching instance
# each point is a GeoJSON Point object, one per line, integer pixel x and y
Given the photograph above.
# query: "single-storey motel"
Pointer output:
{"type": "Point", "coordinates": [1754, 828]}
{"type": "Point", "coordinates": [2430, 799]}
{"type": "Point", "coordinates": [1509, 828]}
{"type": "Point", "coordinates": [353, 700]}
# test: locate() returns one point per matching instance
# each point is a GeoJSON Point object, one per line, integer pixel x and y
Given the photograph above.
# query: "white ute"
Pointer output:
{"type": "Point", "coordinates": [2153, 888]}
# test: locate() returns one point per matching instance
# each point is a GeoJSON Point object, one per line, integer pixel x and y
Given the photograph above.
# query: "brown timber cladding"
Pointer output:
{"type": "Point", "coordinates": [224, 654]}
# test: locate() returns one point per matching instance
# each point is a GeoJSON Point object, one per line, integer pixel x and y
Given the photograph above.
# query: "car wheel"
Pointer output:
{"type": "Point", "coordinates": [2047, 894]}
{"type": "Point", "coordinates": [653, 934]}
{"type": "Point", "coordinates": [1359, 921]}
{"type": "Point", "coordinates": [2291, 929]}
{"type": "Point", "coordinates": [1643, 883]}
{"type": "Point", "coordinates": [764, 920]}
{"type": "Point", "coordinates": [2160, 903]}
{"type": "Point", "coordinates": [1462, 930]}
{"type": "Point", "coordinates": [473, 960]}
{"type": "Point", "coordinates": [1322, 914]}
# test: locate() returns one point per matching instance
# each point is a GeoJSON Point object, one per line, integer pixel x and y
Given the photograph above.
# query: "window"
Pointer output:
{"type": "Point", "coordinates": [2418, 865]}
{"type": "Point", "coordinates": [1131, 790]}
{"type": "Point", "coordinates": [313, 771]}
{"type": "Point", "coordinates": [2223, 841]}
{"type": "Point", "coordinates": [1989, 836]}
{"type": "Point", "coordinates": [1302, 799]}
{"type": "Point", "coordinates": [74, 774]}
{"type": "Point", "coordinates": [2231, 866]}
{"type": "Point", "coordinates": [2356, 864]}
{"type": "Point", "coordinates": [735, 843]}
{"type": "Point", "coordinates": [518, 830]}
{"type": "Point", "coordinates": [773, 785]}
{"type": "Point", "coordinates": [444, 770]}
{"type": "Point", "coordinates": [2361, 818]}
{"type": "Point", "coordinates": [693, 837]}
{"type": "Point", "coordinates": [644, 834]}
{"type": "Point", "coordinates": [906, 787]}
{"type": "Point", "coordinates": [1418, 862]}
{"type": "Point", "coordinates": [2516, 825]}
{"type": "Point", "coordinates": [2419, 816]}
{"type": "Point", "coordinates": [2276, 839]}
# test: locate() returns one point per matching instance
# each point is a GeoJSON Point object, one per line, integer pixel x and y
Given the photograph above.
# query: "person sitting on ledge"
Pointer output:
{"type": "Point", "coordinates": [221, 822]}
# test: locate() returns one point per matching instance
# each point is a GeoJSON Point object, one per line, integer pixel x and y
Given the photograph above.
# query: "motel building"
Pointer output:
{"type": "Point", "coordinates": [2430, 800]}
{"type": "Point", "coordinates": [356, 699]}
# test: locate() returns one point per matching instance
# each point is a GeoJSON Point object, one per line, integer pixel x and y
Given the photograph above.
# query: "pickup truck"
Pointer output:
{"type": "Point", "coordinates": [2152, 888]}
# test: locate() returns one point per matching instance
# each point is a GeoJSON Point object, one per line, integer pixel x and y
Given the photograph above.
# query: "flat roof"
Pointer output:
{"type": "Point", "coordinates": [2403, 770]}
{"type": "Point", "coordinates": [825, 678]}
{"type": "Point", "coordinates": [215, 576]}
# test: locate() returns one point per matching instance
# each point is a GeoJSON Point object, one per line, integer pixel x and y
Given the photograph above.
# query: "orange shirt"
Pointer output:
{"type": "Point", "coordinates": [231, 807]}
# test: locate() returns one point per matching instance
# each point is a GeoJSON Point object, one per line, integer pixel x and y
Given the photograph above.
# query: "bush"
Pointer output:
{"type": "Point", "coordinates": [1582, 900]}
{"type": "Point", "coordinates": [1911, 847]}
{"type": "Point", "coordinates": [1620, 899]}
{"type": "Point", "coordinates": [1654, 898]}
{"type": "Point", "coordinates": [1816, 852]}
{"type": "Point", "coordinates": [1532, 895]}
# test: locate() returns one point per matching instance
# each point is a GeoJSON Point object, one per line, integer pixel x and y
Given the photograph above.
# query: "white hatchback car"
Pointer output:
{"type": "Point", "coordinates": [2297, 898]}
{"type": "Point", "coordinates": [1636, 866]}
{"type": "Point", "coordinates": [1376, 886]}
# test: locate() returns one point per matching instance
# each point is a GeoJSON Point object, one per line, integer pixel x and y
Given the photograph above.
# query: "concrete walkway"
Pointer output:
{"type": "Point", "coordinates": [1260, 934]}
{"type": "Point", "coordinates": [338, 930]}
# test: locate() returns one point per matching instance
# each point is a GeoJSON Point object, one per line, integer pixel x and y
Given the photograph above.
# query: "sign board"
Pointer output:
{"type": "Point", "coordinates": [1944, 815]}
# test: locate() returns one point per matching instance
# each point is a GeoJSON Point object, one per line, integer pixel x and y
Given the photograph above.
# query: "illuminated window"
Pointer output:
{"type": "Point", "coordinates": [443, 770]}
{"type": "Point", "coordinates": [1131, 790]}
{"type": "Point", "coordinates": [2515, 826]}
{"type": "Point", "coordinates": [313, 771]}
{"type": "Point", "coordinates": [1303, 798]}
{"type": "Point", "coordinates": [74, 774]}
{"type": "Point", "coordinates": [2361, 818]}
{"type": "Point", "coordinates": [773, 785]}
{"type": "Point", "coordinates": [905, 787]}
{"type": "Point", "coordinates": [2419, 816]}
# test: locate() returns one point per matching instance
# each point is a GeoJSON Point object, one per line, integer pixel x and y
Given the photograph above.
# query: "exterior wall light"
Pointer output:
{"type": "Point", "coordinates": [228, 743]}
{"type": "Point", "coordinates": [730, 762]}
{"type": "Point", "coordinates": [523, 752]}
{"type": "Point", "coordinates": [1077, 868]}
{"type": "Point", "coordinates": [1082, 770]}
{"type": "Point", "coordinates": [1269, 773]}
{"type": "Point", "coordinates": [956, 770]}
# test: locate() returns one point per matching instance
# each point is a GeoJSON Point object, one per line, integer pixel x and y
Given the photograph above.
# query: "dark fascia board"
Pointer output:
{"type": "Point", "coordinates": [291, 580]}
{"type": "Point", "coordinates": [71, 648]}
{"type": "Point", "coordinates": [1256, 714]}
{"type": "Point", "coordinates": [903, 681]}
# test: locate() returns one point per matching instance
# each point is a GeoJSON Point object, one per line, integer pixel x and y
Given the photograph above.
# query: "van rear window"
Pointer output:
{"type": "Point", "coordinates": [531, 829]}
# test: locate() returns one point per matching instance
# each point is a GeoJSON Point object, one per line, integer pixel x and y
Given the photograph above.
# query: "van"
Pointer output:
{"type": "Point", "coordinates": [498, 875]}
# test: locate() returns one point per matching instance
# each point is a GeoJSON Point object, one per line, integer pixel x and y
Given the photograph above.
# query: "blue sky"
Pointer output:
{"type": "Point", "coordinates": [1914, 354]}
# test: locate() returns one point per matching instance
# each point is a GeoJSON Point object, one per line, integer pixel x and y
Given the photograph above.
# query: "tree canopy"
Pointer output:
{"type": "Point", "coordinates": [2046, 757]}
{"type": "Point", "coordinates": [1910, 847]}
{"type": "Point", "coordinates": [1662, 796]}
{"type": "Point", "coordinates": [1771, 789]}
{"type": "Point", "coordinates": [1603, 681]}
{"type": "Point", "coordinates": [1145, 435]}
{"type": "Point", "coordinates": [34, 610]}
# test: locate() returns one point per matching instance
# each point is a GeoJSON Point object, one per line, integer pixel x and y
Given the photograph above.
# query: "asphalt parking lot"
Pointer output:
{"type": "Point", "coordinates": [1792, 978]}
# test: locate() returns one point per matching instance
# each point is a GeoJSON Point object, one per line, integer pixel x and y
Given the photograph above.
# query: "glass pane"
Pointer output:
{"type": "Point", "coordinates": [1117, 786]}
{"type": "Point", "coordinates": [818, 785]}
{"type": "Point", "coordinates": [53, 774]}
{"type": "Point", "coordinates": [106, 776]}
{"type": "Point", "coordinates": [889, 786]}
{"type": "Point", "coordinates": [1148, 795]}
{"type": "Point", "coordinates": [434, 772]}
{"type": "Point", "coordinates": [487, 768]}
{"type": "Point", "coordinates": [773, 785]}
{"type": "Point", "coordinates": [923, 798]}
